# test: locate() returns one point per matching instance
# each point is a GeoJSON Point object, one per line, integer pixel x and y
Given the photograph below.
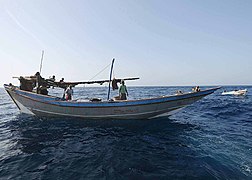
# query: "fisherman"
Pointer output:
{"type": "Point", "coordinates": [62, 80]}
{"type": "Point", "coordinates": [63, 85]}
{"type": "Point", "coordinates": [52, 79]}
{"type": "Point", "coordinates": [69, 93]}
{"type": "Point", "coordinates": [38, 78]}
{"type": "Point", "coordinates": [23, 83]}
{"type": "Point", "coordinates": [43, 90]}
{"type": "Point", "coordinates": [26, 84]}
{"type": "Point", "coordinates": [179, 92]}
{"type": "Point", "coordinates": [123, 91]}
{"type": "Point", "coordinates": [196, 89]}
{"type": "Point", "coordinates": [38, 82]}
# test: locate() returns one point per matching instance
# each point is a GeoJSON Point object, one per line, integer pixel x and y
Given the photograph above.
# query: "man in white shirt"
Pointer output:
{"type": "Point", "coordinates": [69, 93]}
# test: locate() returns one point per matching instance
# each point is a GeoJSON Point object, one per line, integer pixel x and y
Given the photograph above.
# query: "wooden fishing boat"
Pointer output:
{"type": "Point", "coordinates": [36, 101]}
{"type": "Point", "coordinates": [45, 105]}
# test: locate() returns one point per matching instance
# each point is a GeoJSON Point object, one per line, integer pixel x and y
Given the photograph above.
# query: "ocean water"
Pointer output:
{"type": "Point", "coordinates": [210, 139]}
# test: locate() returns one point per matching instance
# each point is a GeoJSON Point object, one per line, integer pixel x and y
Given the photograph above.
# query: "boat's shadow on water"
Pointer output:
{"type": "Point", "coordinates": [136, 126]}
{"type": "Point", "coordinates": [36, 134]}
{"type": "Point", "coordinates": [40, 128]}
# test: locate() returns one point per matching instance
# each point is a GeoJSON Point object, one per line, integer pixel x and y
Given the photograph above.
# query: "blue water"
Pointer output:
{"type": "Point", "coordinates": [211, 139]}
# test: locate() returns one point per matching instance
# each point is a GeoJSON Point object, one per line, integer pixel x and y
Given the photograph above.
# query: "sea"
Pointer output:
{"type": "Point", "coordinates": [210, 139]}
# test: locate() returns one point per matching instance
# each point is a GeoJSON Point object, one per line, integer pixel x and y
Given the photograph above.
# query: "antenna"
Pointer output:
{"type": "Point", "coordinates": [41, 61]}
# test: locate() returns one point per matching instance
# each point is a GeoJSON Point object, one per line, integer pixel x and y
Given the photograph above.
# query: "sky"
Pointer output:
{"type": "Point", "coordinates": [164, 42]}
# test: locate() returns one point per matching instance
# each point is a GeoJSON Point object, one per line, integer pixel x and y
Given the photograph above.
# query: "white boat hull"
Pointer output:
{"type": "Point", "coordinates": [242, 92]}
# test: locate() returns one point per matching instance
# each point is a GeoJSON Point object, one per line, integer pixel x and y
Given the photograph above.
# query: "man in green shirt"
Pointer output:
{"type": "Point", "coordinates": [123, 91]}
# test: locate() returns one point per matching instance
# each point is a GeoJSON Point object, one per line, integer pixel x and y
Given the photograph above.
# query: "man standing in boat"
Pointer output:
{"type": "Point", "coordinates": [38, 81]}
{"type": "Point", "coordinates": [123, 91]}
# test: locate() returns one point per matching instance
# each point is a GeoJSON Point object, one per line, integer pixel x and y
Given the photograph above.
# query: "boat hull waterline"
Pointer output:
{"type": "Point", "coordinates": [41, 105]}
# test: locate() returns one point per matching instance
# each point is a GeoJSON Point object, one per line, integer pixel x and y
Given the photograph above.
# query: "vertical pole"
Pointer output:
{"type": "Point", "coordinates": [110, 76]}
{"type": "Point", "coordinates": [41, 61]}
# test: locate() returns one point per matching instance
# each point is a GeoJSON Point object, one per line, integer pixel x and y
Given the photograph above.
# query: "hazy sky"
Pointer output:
{"type": "Point", "coordinates": [164, 42]}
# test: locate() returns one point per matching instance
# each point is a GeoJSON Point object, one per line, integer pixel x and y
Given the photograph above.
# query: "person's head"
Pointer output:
{"type": "Point", "coordinates": [122, 82]}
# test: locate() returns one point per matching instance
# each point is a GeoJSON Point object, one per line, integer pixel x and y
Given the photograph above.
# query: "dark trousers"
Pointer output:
{"type": "Point", "coordinates": [123, 96]}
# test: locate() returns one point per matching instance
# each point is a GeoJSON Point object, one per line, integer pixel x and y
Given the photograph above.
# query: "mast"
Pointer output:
{"type": "Point", "coordinates": [41, 61]}
{"type": "Point", "coordinates": [110, 76]}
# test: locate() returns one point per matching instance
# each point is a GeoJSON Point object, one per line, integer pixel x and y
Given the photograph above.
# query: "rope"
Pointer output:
{"type": "Point", "coordinates": [100, 72]}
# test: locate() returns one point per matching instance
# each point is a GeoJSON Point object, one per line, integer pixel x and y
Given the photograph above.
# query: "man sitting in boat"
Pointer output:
{"type": "Point", "coordinates": [42, 89]}
{"type": "Point", "coordinates": [62, 80]}
{"type": "Point", "coordinates": [69, 93]}
{"type": "Point", "coordinates": [123, 91]}
{"type": "Point", "coordinates": [196, 89]}
{"type": "Point", "coordinates": [38, 81]}
{"type": "Point", "coordinates": [26, 84]}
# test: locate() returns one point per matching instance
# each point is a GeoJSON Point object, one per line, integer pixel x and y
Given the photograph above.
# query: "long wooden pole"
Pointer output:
{"type": "Point", "coordinates": [41, 61]}
{"type": "Point", "coordinates": [110, 76]}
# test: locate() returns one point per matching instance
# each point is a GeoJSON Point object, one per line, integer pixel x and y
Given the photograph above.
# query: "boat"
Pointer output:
{"type": "Point", "coordinates": [45, 105]}
{"type": "Point", "coordinates": [31, 97]}
{"type": "Point", "coordinates": [241, 92]}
